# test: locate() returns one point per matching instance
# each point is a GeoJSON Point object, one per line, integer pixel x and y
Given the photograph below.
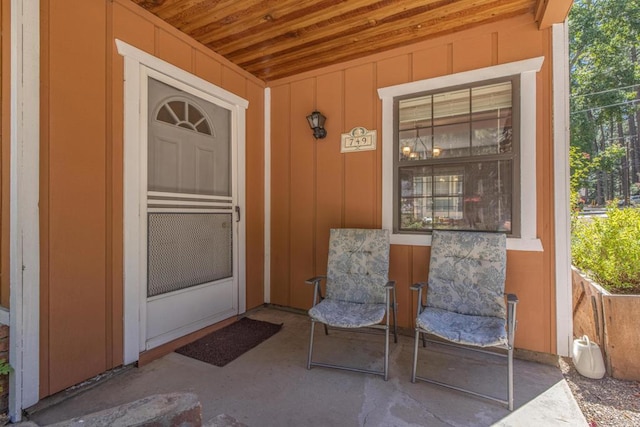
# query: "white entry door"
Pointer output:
{"type": "Point", "coordinates": [191, 217]}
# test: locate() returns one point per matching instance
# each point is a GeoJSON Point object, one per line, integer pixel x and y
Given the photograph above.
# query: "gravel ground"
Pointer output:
{"type": "Point", "coordinates": [604, 402]}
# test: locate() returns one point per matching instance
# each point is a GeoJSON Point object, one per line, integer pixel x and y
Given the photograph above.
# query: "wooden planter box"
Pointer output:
{"type": "Point", "coordinates": [613, 321]}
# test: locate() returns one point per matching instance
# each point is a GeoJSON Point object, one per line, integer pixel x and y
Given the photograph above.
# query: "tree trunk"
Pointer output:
{"type": "Point", "coordinates": [607, 182]}
{"type": "Point", "coordinates": [634, 146]}
{"type": "Point", "coordinates": [600, 175]}
{"type": "Point", "coordinates": [599, 190]}
{"type": "Point", "coordinates": [634, 125]}
{"type": "Point", "coordinates": [624, 164]}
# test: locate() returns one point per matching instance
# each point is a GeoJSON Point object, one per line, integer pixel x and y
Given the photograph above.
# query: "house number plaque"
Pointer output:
{"type": "Point", "coordinates": [359, 139]}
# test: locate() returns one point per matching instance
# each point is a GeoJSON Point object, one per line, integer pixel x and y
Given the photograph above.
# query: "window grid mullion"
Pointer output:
{"type": "Point", "coordinates": [487, 191]}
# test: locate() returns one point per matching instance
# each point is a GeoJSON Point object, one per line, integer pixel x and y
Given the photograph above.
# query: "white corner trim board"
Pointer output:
{"type": "Point", "coordinates": [24, 246]}
{"type": "Point", "coordinates": [564, 300]}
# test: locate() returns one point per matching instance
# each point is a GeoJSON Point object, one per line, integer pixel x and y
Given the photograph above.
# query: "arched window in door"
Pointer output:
{"type": "Point", "coordinates": [184, 114]}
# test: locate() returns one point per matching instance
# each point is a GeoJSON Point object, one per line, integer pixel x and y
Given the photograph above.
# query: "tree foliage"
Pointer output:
{"type": "Point", "coordinates": [608, 249]}
{"type": "Point", "coordinates": [605, 97]}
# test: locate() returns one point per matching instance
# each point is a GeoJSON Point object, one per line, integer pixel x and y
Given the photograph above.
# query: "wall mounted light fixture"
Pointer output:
{"type": "Point", "coordinates": [316, 122]}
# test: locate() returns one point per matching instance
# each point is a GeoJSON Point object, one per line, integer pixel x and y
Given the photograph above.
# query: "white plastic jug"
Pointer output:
{"type": "Point", "coordinates": [587, 358]}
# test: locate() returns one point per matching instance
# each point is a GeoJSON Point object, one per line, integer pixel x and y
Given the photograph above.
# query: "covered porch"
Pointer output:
{"type": "Point", "coordinates": [270, 385]}
{"type": "Point", "coordinates": [78, 298]}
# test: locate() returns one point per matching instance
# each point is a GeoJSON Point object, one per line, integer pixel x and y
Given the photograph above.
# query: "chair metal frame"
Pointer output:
{"type": "Point", "coordinates": [391, 296]}
{"type": "Point", "coordinates": [512, 300]}
{"type": "Point", "coordinates": [511, 324]}
{"type": "Point", "coordinates": [367, 281]}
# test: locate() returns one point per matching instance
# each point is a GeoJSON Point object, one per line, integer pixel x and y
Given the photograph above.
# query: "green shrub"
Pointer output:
{"type": "Point", "coordinates": [5, 368]}
{"type": "Point", "coordinates": [608, 249]}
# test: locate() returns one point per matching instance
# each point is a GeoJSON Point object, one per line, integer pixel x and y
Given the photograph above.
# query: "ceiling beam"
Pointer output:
{"type": "Point", "coordinates": [549, 12]}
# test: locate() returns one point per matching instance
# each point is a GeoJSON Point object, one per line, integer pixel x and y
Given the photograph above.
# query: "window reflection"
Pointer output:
{"type": "Point", "coordinates": [469, 197]}
{"type": "Point", "coordinates": [461, 123]}
{"type": "Point", "coordinates": [455, 160]}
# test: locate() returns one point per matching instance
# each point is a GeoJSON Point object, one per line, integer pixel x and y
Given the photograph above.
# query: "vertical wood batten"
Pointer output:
{"type": "Point", "coordinates": [524, 270]}
{"type": "Point", "coordinates": [389, 72]}
{"type": "Point", "coordinates": [400, 263]}
{"type": "Point", "coordinates": [280, 190]}
{"type": "Point", "coordinates": [472, 53]}
{"type": "Point", "coordinates": [44, 382]}
{"type": "Point", "coordinates": [137, 31]}
{"type": "Point", "coordinates": [360, 180]}
{"type": "Point", "coordinates": [109, 190]}
{"type": "Point", "coordinates": [255, 196]}
{"type": "Point", "coordinates": [173, 50]}
{"type": "Point", "coordinates": [329, 204]}
{"type": "Point", "coordinates": [302, 191]}
{"type": "Point", "coordinates": [77, 182]}
{"type": "Point", "coordinates": [432, 62]}
{"type": "Point", "coordinates": [208, 68]}
{"type": "Point", "coordinates": [233, 82]}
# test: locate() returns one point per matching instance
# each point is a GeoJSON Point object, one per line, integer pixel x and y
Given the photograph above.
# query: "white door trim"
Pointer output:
{"type": "Point", "coordinates": [24, 231]}
{"type": "Point", "coordinates": [564, 302]}
{"type": "Point", "coordinates": [137, 65]}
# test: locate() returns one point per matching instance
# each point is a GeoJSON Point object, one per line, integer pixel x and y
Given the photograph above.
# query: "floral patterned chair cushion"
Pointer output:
{"type": "Point", "coordinates": [467, 273]}
{"type": "Point", "coordinates": [464, 329]}
{"type": "Point", "coordinates": [358, 265]}
{"type": "Point", "coordinates": [344, 314]}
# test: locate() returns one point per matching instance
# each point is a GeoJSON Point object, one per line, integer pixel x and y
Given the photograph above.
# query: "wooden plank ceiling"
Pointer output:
{"type": "Point", "coordinates": [277, 38]}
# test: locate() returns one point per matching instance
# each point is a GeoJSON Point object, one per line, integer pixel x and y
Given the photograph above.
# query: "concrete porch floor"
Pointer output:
{"type": "Point", "coordinates": [270, 385]}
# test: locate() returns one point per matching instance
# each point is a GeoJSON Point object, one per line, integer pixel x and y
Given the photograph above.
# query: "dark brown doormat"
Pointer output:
{"type": "Point", "coordinates": [224, 345]}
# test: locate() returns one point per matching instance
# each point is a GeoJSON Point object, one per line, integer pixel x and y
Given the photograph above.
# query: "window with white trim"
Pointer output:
{"type": "Point", "coordinates": [455, 165]}
{"type": "Point", "coordinates": [459, 152]}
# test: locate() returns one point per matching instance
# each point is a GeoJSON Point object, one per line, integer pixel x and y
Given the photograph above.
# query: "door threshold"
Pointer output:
{"type": "Point", "coordinates": [149, 356]}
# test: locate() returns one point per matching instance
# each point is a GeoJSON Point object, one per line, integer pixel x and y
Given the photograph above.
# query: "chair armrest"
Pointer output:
{"type": "Point", "coordinates": [512, 302]}
{"type": "Point", "coordinates": [390, 287]}
{"type": "Point", "coordinates": [314, 280]}
{"type": "Point", "coordinates": [317, 291]}
{"type": "Point", "coordinates": [418, 286]}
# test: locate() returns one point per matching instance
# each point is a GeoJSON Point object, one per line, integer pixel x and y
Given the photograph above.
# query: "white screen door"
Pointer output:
{"type": "Point", "coordinates": [190, 220]}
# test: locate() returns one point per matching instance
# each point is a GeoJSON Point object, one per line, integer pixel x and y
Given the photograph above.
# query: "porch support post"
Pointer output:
{"type": "Point", "coordinates": [564, 312]}
{"type": "Point", "coordinates": [24, 231]}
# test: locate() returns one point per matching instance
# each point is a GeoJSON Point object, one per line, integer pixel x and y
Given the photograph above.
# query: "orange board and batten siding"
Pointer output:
{"type": "Point", "coordinates": [82, 176]}
{"type": "Point", "coordinates": [315, 187]}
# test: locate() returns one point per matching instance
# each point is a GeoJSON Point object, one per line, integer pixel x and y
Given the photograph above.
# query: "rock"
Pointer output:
{"type": "Point", "coordinates": [161, 410]}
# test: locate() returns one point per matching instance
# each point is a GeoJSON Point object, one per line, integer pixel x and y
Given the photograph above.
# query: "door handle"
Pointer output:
{"type": "Point", "coordinates": [238, 213]}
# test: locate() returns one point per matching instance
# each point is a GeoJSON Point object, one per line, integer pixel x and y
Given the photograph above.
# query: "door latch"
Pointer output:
{"type": "Point", "coordinates": [238, 213]}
